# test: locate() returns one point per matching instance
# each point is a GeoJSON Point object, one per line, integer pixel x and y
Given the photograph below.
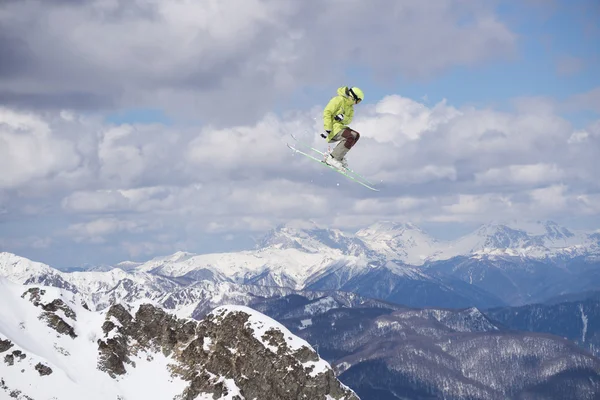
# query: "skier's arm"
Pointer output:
{"type": "Point", "coordinates": [329, 112]}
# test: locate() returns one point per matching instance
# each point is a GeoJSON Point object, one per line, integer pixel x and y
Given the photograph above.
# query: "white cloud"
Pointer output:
{"type": "Point", "coordinates": [590, 204]}
{"type": "Point", "coordinates": [475, 206]}
{"type": "Point", "coordinates": [98, 230]}
{"type": "Point", "coordinates": [204, 58]}
{"type": "Point", "coordinates": [29, 150]}
{"type": "Point", "coordinates": [579, 136]}
{"type": "Point", "coordinates": [533, 174]}
{"type": "Point", "coordinates": [144, 188]}
{"type": "Point", "coordinates": [103, 200]}
{"type": "Point", "coordinates": [549, 199]}
{"type": "Point", "coordinates": [399, 119]}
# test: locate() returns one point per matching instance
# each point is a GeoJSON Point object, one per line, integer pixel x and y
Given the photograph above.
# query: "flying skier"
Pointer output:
{"type": "Point", "coordinates": [337, 115]}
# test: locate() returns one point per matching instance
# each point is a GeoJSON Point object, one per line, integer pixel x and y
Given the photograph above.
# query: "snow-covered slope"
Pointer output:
{"type": "Point", "coordinates": [53, 346]}
{"type": "Point", "coordinates": [286, 267]}
{"type": "Point", "coordinates": [69, 362]}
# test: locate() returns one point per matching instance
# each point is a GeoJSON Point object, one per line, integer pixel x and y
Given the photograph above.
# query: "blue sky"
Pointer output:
{"type": "Point", "coordinates": [159, 127]}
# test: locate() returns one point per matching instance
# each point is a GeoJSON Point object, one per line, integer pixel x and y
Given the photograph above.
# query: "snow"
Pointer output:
{"type": "Point", "coordinates": [305, 323]}
{"type": "Point", "coordinates": [320, 306]}
{"type": "Point", "coordinates": [74, 376]}
{"type": "Point", "coordinates": [20, 269]}
{"type": "Point", "coordinates": [232, 391]}
{"type": "Point", "coordinates": [207, 343]}
{"type": "Point", "coordinates": [405, 242]}
{"type": "Point", "coordinates": [518, 239]}
{"type": "Point", "coordinates": [402, 249]}
{"type": "Point", "coordinates": [584, 320]}
{"type": "Point", "coordinates": [294, 263]}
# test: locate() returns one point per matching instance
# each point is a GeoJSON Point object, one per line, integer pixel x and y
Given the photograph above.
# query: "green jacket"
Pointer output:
{"type": "Point", "coordinates": [340, 104]}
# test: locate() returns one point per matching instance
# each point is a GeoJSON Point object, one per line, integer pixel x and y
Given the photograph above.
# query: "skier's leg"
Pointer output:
{"type": "Point", "coordinates": [329, 159]}
{"type": "Point", "coordinates": [347, 141]}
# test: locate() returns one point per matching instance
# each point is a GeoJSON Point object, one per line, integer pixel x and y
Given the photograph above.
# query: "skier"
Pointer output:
{"type": "Point", "coordinates": [336, 116]}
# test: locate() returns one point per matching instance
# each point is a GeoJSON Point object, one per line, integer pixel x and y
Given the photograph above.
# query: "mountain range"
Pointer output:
{"type": "Point", "coordinates": [389, 352]}
{"type": "Point", "coordinates": [392, 309]}
{"type": "Point", "coordinates": [496, 265]}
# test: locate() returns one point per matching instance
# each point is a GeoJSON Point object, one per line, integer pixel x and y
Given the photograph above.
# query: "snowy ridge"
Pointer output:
{"type": "Point", "coordinates": [21, 269]}
{"type": "Point", "coordinates": [260, 324]}
{"type": "Point", "coordinates": [53, 346]}
{"type": "Point", "coordinates": [520, 239]}
{"type": "Point", "coordinates": [302, 256]}
{"type": "Point", "coordinates": [289, 266]}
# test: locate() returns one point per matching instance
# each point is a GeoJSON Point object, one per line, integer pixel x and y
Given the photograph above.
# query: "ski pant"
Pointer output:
{"type": "Point", "coordinates": [346, 138]}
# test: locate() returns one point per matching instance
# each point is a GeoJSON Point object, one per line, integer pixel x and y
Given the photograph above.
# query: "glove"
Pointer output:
{"type": "Point", "coordinates": [324, 136]}
{"type": "Point", "coordinates": [339, 117]}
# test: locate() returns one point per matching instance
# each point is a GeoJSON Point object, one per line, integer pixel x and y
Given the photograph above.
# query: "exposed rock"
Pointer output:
{"type": "Point", "coordinates": [15, 394]}
{"type": "Point", "coordinates": [218, 353]}
{"type": "Point", "coordinates": [120, 314]}
{"type": "Point", "coordinates": [58, 304]}
{"type": "Point", "coordinates": [54, 321]}
{"type": "Point", "coordinates": [5, 345]}
{"type": "Point", "coordinates": [34, 295]}
{"type": "Point", "coordinates": [58, 324]}
{"type": "Point", "coordinates": [9, 359]}
{"type": "Point", "coordinates": [113, 355]}
{"type": "Point", "coordinates": [43, 369]}
{"type": "Point", "coordinates": [16, 355]}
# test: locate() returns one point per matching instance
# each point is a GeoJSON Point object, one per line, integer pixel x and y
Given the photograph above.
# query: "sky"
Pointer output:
{"type": "Point", "coordinates": [132, 129]}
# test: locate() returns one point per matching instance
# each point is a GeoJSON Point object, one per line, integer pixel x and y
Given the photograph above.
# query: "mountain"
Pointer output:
{"type": "Point", "coordinates": [522, 263]}
{"type": "Point", "coordinates": [521, 280]}
{"type": "Point", "coordinates": [53, 346]}
{"type": "Point", "coordinates": [311, 238]}
{"type": "Point", "coordinates": [403, 284]}
{"type": "Point", "coordinates": [590, 294]}
{"type": "Point", "coordinates": [393, 352]}
{"type": "Point", "coordinates": [538, 240]}
{"type": "Point", "coordinates": [406, 242]}
{"type": "Point", "coordinates": [496, 265]}
{"type": "Point", "coordinates": [578, 321]}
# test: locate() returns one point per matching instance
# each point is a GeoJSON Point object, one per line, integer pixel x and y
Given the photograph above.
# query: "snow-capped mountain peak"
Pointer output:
{"type": "Point", "coordinates": [309, 237]}
{"type": "Point", "coordinates": [400, 241]}
{"type": "Point", "coordinates": [537, 239]}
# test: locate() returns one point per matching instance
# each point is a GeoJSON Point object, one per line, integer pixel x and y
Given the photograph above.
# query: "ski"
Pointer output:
{"type": "Point", "coordinates": [333, 168]}
{"type": "Point", "coordinates": [359, 176]}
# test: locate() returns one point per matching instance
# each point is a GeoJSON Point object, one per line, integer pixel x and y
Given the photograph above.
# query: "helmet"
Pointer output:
{"type": "Point", "coordinates": [357, 94]}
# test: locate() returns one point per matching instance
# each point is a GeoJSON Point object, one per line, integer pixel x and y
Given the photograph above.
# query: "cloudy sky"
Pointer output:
{"type": "Point", "coordinates": [136, 128]}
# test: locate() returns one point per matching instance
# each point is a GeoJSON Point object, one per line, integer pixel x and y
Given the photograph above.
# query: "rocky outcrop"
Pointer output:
{"type": "Point", "coordinates": [16, 355]}
{"type": "Point", "coordinates": [43, 369]}
{"type": "Point", "coordinates": [52, 311]}
{"type": "Point", "coordinates": [5, 345]}
{"type": "Point", "coordinates": [232, 352]}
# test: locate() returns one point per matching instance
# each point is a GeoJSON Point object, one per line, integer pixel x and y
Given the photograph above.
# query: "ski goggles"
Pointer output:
{"type": "Point", "coordinates": [354, 96]}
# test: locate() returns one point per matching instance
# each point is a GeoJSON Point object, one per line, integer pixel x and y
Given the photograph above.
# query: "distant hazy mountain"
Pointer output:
{"type": "Point", "coordinates": [493, 266]}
